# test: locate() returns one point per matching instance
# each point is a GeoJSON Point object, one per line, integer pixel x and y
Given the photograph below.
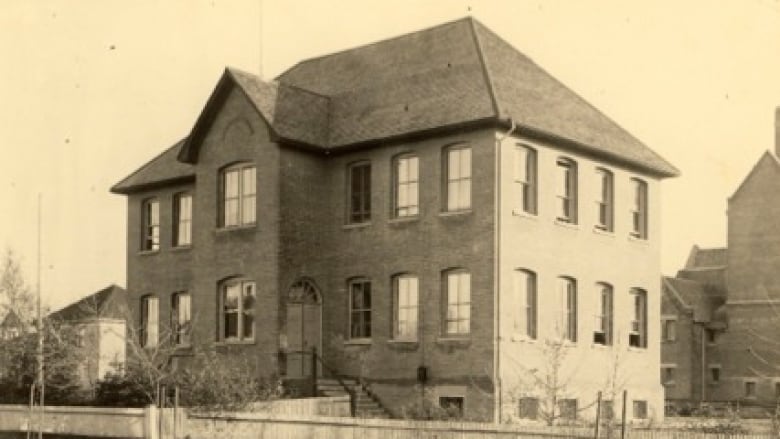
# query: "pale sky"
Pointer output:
{"type": "Point", "coordinates": [91, 90]}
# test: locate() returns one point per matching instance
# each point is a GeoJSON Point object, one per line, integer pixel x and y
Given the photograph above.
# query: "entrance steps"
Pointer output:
{"type": "Point", "coordinates": [366, 404]}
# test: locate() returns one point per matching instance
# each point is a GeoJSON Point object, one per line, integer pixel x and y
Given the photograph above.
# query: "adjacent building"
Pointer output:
{"type": "Point", "coordinates": [721, 313]}
{"type": "Point", "coordinates": [425, 211]}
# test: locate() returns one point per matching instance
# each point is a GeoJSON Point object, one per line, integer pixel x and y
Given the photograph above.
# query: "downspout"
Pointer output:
{"type": "Point", "coordinates": [703, 365]}
{"type": "Point", "coordinates": [497, 385]}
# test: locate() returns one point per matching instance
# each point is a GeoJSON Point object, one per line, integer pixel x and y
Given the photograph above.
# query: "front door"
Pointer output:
{"type": "Point", "coordinates": [304, 326]}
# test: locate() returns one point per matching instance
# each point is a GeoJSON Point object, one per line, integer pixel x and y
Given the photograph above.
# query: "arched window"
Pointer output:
{"type": "Point", "coordinates": [457, 305]}
{"type": "Point", "coordinates": [182, 219]}
{"type": "Point", "coordinates": [181, 318]}
{"type": "Point", "coordinates": [639, 209]}
{"type": "Point", "coordinates": [637, 336]}
{"type": "Point", "coordinates": [405, 307]}
{"type": "Point", "coordinates": [566, 190]}
{"type": "Point", "coordinates": [567, 291]}
{"type": "Point", "coordinates": [602, 333]}
{"type": "Point", "coordinates": [237, 298]}
{"type": "Point", "coordinates": [304, 291]}
{"type": "Point", "coordinates": [149, 332]}
{"type": "Point", "coordinates": [526, 299]}
{"type": "Point", "coordinates": [605, 205]}
{"type": "Point", "coordinates": [457, 172]}
{"type": "Point", "coordinates": [525, 177]}
{"type": "Point", "coordinates": [238, 204]}
{"type": "Point", "coordinates": [406, 175]}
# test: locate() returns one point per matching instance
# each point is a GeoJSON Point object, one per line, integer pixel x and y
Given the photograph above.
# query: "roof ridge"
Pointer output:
{"type": "Point", "coordinates": [485, 69]}
{"type": "Point", "coordinates": [273, 82]}
{"type": "Point", "coordinates": [148, 163]}
{"type": "Point", "coordinates": [373, 43]}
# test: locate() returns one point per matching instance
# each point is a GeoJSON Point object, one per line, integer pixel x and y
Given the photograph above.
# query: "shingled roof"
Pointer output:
{"type": "Point", "coordinates": [702, 299]}
{"type": "Point", "coordinates": [452, 75]}
{"type": "Point", "coordinates": [164, 168]}
{"type": "Point", "coordinates": [110, 302]}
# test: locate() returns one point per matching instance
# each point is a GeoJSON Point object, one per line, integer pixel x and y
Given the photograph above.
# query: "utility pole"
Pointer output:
{"type": "Point", "coordinates": [40, 379]}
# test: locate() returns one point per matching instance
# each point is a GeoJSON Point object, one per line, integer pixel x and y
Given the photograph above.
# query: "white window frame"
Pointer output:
{"type": "Point", "coordinates": [182, 219]}
{"type": "Point", "coordinates": [639, 208]}
{"type": "Point", "coordinates": [526, 293]}
{"type": "Point", "coordinates": [150, 321]}
{"type": "Point", "coordinates": [458, 172]}
{"type": "Point", "coordinates": [181, 318]}
{"type": "Point", "coordinates": [150, 231]}
{"type": "Point", "coordinates": [245, 312]}
{"type": "Point", "coordinates": [525, 175]}
{"type": "Point", "coordinates": [457, 305]}
{"type": "Point", "coordinates": [406, 186]}
{"type": "Point", "coordinates": [637, 337]}
{"type": "Point", "coordinates": [566, 190]}
{"type": "Point", "coordinates": [567, 292]}
{"type": "Point", "coordinates": [360, 314]}
{"type": "Point", "coordinates": [604, 327]}
{"type": "Point", "coordinates": [406, 294]}
{"type": "Point", "coordinates": [245, 196]}
{"type": "Point", "coordinates": [605, 200]}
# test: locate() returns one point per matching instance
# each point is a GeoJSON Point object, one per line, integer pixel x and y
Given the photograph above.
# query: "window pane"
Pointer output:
{"type": "Point", "coordinates": [248, 181]}
{"type": "Point", "coordinates": [453, 197]}
{"type": "Point", "coordinates": [248, 210]}
{"type": "Point", "coordinates": [231, 184]}
{"type": "Point", "coordinates": [453, 164]}
{"type": "Point", "coordinates": [465, 163]}
{"type": "Point", "coordinates": [248, 310]}
{"type": "Point", "coordinates": [464, 195]}
{"type": "Point", "coordinates": [231, 212]}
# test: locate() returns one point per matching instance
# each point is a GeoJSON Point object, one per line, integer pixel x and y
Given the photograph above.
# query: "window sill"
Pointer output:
{"type": "Point", "coordinates": [638, 240]}
{"type": "Point", "coordinates": [148, 252]}
{"type": "Point", "coordinates": [220, 230]}
{"type": "Point", "coordinates": [517, 337]}
{"type": "Point", "coordinates": [234, 342]}
{"type": "Point", "coordinates": [181, 248]}
{"type": "Point", "coordinates": [669, 384]}
{"type": "Point", "coordinates": [523, 214]}
{"type": "Point", "coordinates": [566, 224]}
{"type": "Point", "coordinates": [449, 213]}
{"type": "Point", "coordinates": [603, 232]}
{"type": "Point", "coordinates": [404, 219]}
{"type": "Point", "coordinates": [453, 340]}
{"type": "Point", "coordinates": [358, 342]}
{"type": "Point", "coordinates": [403, 341]}
{"type": "Point", "coordinates": [351, 226]}
{"type": "Point", "coordinates": [636, 349]}
{"type": "Point", "coordinates": [601, 346]}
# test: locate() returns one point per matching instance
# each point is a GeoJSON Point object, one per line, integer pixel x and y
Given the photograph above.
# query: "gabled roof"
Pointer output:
{"type": "Point", "coordinates": [697, 296]}
{"type": "Point", "coordinates": [165, 168]}
{"type": "Point", "coordinates": [453, 75]}
{"type": "Point", "coordinates": [108, 303]}
{"type": "Point", "coordinates": [767, 159]}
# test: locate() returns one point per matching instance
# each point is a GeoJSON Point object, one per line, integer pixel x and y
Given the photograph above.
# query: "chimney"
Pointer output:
{"type": "Point", "coordinates": [777, 131]}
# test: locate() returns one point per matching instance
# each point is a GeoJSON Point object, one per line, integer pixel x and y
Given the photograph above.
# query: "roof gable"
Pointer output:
{"type": "Point", "coordinates": [767, 164]}
{"type": "Point", "coordinates": [165, 168]}
{"type": "Point", "coordinates": [110, 302]}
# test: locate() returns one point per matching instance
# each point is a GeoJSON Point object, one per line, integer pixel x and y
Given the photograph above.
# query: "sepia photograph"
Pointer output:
{"type": "Point", "coordinates": [432, 219]}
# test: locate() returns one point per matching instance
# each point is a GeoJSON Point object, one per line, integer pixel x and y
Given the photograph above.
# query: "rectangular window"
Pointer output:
{"type": "Point", "coordinates": [604, 200]}
{"type": "Point", "coordinates": [750, 389]}
{"type": "Point", "coordinates": [567, 289]}
{"type": "Point", "coordinates": [406, 186]}
{"type": "Point", "coordinates": [567, 407]}
{"type": "Point", "coordinates": [603, 333]}
{"type": "Point", "coordinates": [566, 191]}
{"type": "Point", "coordinates": [525, 292]}
{"type": "Point", "coordinates": [182, 220]}
{"type": "Point", "coordinates": [639, 209]}
{"type": "Point", "coordinates": [637, 337]}
{"type": "Point", "coordinates": [712, 336]}
{"type": "Point", "coordinates": [150, 320]}
{"type": "Point", "coordinates": [458, 312]}
{"type": "Point", "coordinates": [667, 375]}
{"type": "Point", "coordinates": [640, 409]}
{"type": "Point", "coordinates": [453, 405]}
{"type": "Point", "coordinates": [714, 374]}
{"type": "Point", "coordinates": [181, 317]}
{"type": "Point", "coordinates": [239, 196]}
{"type": "Point", "coordinates": [668, 329]}
{"type": "Point", "coordinates": [359, 193]}
{"type": "Point", "coordinates": [406, 300]}
{"type": "Point", "coordinates": [607, 410]}
{"type": "Point", "coordinates": [528, 408]}
{"type": "Point", "coordinates": [458, 173]}
{"type": "Point", "coordinates": [151, 225]}
{"type": "Point", "coordinates": [238, 310]}
{"type": "Point", "coordinates": [525, 177]}
{"type": "Point", "coordinates": [360, 309]}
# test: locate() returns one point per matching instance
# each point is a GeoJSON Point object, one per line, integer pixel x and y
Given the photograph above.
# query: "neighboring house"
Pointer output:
{"type": "Point", "coordinates": [99, 326]}
{"type": "Point", "coordinates": [11, 326]}
{"type": "Point", "coordinates": [430, 206]}
{"type": "Point", "coordinates": [729, 301]}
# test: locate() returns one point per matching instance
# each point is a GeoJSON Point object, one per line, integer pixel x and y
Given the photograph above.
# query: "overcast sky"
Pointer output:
{"type": "Point", "coordinates": [91, 90]}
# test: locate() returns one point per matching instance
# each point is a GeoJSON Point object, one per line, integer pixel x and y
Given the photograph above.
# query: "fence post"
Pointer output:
{"type": "Point", "coordinates": [598, 416]}
{"type": "Point", "coordinates": [623, 417]}
{"type": "Point", "coordinates": [150, 422]}
{"type": "Point", "coordinates": [314, 371]}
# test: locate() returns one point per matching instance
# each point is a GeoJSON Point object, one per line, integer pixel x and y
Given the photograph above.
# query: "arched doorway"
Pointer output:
{"type": "Point", "coordinates": [304, 326]}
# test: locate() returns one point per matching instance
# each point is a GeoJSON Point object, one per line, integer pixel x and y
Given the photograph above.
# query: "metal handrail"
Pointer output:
{"type": "Point", "coordinates": [317, 358]}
